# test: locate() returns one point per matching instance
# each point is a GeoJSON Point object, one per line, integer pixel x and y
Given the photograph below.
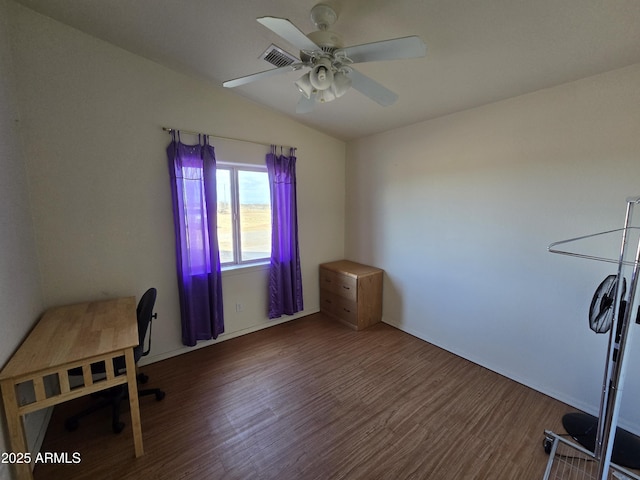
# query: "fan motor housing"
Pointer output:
{"type": "Point", "coordinates": [326, 39]}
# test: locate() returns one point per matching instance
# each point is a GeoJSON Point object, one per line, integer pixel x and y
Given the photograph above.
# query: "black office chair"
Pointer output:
{"type": "Point", "coordinates": [114, 396]}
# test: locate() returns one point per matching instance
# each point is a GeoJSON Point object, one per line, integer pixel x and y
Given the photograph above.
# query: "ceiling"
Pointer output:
{"type": "Point", "coordinates": [478, 52]}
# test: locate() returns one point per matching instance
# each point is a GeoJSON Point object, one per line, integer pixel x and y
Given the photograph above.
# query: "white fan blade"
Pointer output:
{"type": "Point", "coordinates": [372, 89]}
{"type": "Point", "coordinates": [289, 32]}
{"type": "Point", "coordinates": [236, 82]}
{"type": "Point", "coordinates": [406, 47]}
{"type": "Point", "coordinates": [305, 105]}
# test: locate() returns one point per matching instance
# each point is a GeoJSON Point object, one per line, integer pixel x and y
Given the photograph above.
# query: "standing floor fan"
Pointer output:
{"type": "Point", "coordinates": [602, 443]}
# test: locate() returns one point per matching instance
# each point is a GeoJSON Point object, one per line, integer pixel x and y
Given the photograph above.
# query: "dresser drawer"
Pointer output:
{"type": "Point", "coordinates": [343, 285]}
{"type": "Point", "coordinates": [339, 307]}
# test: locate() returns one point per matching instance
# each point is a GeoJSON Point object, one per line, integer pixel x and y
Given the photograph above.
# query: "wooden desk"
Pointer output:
{"type": "Point", "coordinates": [65, 338]}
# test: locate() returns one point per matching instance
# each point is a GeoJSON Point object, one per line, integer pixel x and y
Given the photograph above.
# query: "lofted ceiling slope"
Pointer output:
{"type": "Point", "coordinates": [478, 52]}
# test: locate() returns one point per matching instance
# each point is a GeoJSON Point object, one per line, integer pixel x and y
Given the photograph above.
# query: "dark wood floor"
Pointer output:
{"type": "Point", "coordinates": [312, 399]}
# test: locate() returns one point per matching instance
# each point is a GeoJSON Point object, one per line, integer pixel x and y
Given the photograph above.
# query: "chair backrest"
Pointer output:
{"type": "Point", "coordinates": [145, 314]}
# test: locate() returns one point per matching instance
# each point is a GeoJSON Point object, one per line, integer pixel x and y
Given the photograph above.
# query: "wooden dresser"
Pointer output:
{"type": "Point", "coordinates": [351, 292]}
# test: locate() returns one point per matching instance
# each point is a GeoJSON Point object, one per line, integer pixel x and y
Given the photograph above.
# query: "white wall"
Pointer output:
{"type": "Point", "coordinates": [459, 212]}
{"type": "Point", "coordinates": [20, 298]}
{"type": "Point", "coordinates": [99, 182]}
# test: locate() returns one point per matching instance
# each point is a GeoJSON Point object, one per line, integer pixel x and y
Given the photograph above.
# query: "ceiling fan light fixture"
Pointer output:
{"type": "Point", "coordinates": [321, 75]}
{"type": "Point", "coordinates": [341, 83]}
{"type": "Point", "coordinates": [326, 95]}
{"type": "Point", "coordinates": [304, 85]}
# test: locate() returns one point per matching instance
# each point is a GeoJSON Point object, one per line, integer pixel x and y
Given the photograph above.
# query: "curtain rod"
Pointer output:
{"type": "Point", "coordinates": [190, 132]}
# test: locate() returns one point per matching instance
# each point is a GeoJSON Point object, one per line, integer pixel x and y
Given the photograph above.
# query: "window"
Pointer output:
{"type": "Point", "coordinates": [244, 214]}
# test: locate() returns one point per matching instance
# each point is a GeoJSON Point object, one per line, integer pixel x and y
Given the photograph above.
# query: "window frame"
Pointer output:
{"type": "Point", "coordinates": [236, 227]}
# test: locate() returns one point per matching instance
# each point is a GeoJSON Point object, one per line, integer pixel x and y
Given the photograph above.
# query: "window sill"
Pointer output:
{"type": "Point", "coordinates": [245, 268]}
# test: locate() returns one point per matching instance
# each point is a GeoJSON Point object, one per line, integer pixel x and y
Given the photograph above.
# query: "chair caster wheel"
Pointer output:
{"type": "Point", "coordinates": [117, 427]}
{"type": "Point", "coordinates": [547, 443]}
{"type": "Point", "coordinates": [142, 378]}
{"type": "Point", "coordinates": [71, 425]}
{"type": "Point", "coordinates": [160, 395]}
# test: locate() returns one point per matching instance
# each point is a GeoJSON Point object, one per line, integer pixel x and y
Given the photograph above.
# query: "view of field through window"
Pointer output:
{"type": "Point", "coordinates": [254, 215]}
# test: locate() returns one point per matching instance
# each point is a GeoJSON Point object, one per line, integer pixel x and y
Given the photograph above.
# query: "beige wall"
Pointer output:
{"type": "Point", "coordinates": [99, 182]}
{"type": "Point", "coordinates": [20, 298]}
{"type": "Point", "coordinates": [459, 212]}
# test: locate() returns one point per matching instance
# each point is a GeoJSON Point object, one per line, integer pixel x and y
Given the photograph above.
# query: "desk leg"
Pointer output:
{"type": "Point", "coordinates": [132, 385]}
{"type": "Point", "coordinates": [15, 425]}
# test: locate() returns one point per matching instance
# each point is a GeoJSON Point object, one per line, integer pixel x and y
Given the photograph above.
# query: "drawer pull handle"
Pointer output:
{"type": "Point", "coordinates": [327, 301]}
{"type": "Point", "coordinates": [346, 288]}
{"type": "Point", "coordinates": [347, 310]}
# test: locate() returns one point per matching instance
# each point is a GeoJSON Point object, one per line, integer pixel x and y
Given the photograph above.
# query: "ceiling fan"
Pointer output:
{"type": "Point", "coordinates": [332, 73]}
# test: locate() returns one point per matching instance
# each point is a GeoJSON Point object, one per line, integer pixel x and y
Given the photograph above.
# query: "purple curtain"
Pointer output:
{"type": "Point", "coordinates": [193, 190]}
{"type": "Point", "coordinates": [285, 278]}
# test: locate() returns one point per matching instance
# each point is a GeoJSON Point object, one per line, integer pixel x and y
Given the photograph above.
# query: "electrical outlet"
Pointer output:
{"type": "Point", "coordinates": [239, 307]}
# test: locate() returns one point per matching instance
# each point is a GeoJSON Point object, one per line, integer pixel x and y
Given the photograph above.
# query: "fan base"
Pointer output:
{"type": "Point", "coordinates": [323, 16]}
{"type": "Point", "coordinates": [583, 428]}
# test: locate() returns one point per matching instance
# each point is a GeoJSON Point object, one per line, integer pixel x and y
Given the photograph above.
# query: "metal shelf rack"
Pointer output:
{"type": "Point", "coordinates": [620, 336]}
